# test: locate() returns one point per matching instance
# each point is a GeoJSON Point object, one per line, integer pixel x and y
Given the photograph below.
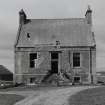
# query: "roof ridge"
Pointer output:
{"type": "Point", "coordinates": [58, 19]}
{"type": "Point", "coordinates": [71, 31]}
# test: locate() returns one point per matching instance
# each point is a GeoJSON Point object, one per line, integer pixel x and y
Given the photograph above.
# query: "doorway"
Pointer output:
{"type": "Point", "coordinates": [54, 62]}
{"type": "Point", "coordinates": [54, 66]}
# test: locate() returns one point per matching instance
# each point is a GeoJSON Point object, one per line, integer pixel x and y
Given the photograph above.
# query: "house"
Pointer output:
{"type": "Point", "coordinates": [55, 48]}
{"type": "Point", "coordinates": [5, 74]}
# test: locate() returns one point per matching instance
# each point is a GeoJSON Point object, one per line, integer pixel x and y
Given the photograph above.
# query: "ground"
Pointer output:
{"type": "Point", "coordinates": [89, 97]}
{"type": "Point", "coordinates": [9, 99]}
{"type": "Point", "coordinates": [52, 96]}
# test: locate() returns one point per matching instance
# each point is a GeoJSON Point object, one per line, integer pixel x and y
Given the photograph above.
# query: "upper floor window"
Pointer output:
{"type": "Point", "coordinates": [33, 57]}
{"type": "Point", "coordinates": [76, 59]}
{"type": "Point", "coordinates": [54, 55]}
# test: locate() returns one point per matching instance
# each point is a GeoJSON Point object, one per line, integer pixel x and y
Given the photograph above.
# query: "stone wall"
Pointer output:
{"type": "Point", "coordinates": [93, 51]}
{"type": "Point", "coordinates": [23, 72]}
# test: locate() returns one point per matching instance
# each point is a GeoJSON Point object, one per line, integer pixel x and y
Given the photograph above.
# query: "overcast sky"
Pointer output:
{"type": "Point", "coordinates": [48, 9]}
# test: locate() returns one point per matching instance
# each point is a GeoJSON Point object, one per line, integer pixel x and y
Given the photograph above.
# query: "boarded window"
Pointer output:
{"type": "Point", "coordinates": [76, 59]}
{"type": "Point", "coordinates": [33, 57]}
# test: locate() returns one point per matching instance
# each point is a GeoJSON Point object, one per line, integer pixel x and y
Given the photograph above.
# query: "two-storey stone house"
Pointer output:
{"type": "Point", "coordinates": [45, 47]}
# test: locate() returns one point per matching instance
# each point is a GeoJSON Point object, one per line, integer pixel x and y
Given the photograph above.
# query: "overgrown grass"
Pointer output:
{"type": "Point", "coordinates": [32, 88]}
{"type": "Point", "coordinates": [94, 96]}
{"type": "Point", "coordinates": [26, 88]}
{"type": "Point", "coordinates": [9, 99]}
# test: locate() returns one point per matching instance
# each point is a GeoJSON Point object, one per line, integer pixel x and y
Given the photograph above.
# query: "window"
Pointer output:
{"type": "Point", "coordinates": [32, 80]}
{"type": "Point", "coordinates": [76, 79]}
{"type": "Point", "coordinates": [76, 59]}
{"type": "Point", "coordinates": [54, 55]}
{"type": "Point", "coordinates": [28, 35]}
{"type": "Point", "coordinates": [33, 57]}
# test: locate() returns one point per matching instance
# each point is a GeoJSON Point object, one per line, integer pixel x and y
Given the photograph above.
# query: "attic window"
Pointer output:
{"type": "Point", "coordinates": [28, 35]}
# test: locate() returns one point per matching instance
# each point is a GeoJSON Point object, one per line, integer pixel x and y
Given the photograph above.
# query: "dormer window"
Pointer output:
{"type": "Point", "coordinates": [28, 35]}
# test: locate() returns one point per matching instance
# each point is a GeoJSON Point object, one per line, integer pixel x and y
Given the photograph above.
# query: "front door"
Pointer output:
{"type": "Point", "coordinates": [54, 62]}
{"type": "Point", "coordinates": [54, 66]}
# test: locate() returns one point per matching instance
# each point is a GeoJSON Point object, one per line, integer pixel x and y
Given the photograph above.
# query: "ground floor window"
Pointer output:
{"type": "Point", "coordinates": [76, 59]}
{"type": "Point", "coordinates": [33, 57]}
{"type": "Point", "coordinates": [32, 80]}
{"type": "Point", "coordinates": [77, 79]}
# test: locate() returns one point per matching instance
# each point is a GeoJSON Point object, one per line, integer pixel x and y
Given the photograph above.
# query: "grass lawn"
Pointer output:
{"type": "Point", "coordinates": [26, 89]}
{"type": "Point", "coordinates": [33, 88]}
{"type": "Point", "coordinates": [94, 96]}
{"type": "Point", "coordinates": [9, 99]}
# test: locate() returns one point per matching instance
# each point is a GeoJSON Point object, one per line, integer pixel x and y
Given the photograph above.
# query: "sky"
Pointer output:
{"type": "Point", "coordinates": [9, 20]}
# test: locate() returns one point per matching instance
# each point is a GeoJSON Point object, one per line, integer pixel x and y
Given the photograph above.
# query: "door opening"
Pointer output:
{"type": "Point", "coordinates": [54, 62]}
{"type": "Point", "coordinates": [54, 66]}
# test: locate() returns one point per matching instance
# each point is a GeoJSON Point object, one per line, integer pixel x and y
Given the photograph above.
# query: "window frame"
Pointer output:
{"type": "Point", "coordinates": [78, 57]}
{"type": "Point", "coordinates": [32, 80]}
{"type": "Point", "coordinates": [32, 63]}
{"type": "Point", "coordinates": [76, 77]}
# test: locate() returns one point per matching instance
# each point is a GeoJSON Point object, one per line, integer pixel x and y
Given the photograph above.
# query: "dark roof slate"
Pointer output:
{"type": "Point", "coordinates": [4, 70]}
{"type": "Point", "coordinates": [69, 32]}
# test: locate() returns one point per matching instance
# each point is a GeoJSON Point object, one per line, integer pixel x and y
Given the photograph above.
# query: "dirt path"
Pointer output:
{"type": "Point", "coordinates": [52, 97]}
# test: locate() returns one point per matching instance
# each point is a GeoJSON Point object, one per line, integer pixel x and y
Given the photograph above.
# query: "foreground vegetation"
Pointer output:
{"type": "Point", "coordinates": [31, 88]}
{"type": "Point", "coordinates": [94, 96]}
{"type": "Point", "coordinates": [9, 99]}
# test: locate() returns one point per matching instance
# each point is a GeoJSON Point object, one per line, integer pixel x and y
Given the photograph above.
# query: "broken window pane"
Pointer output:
{"type": "Point", "coordinates": [33, 57]}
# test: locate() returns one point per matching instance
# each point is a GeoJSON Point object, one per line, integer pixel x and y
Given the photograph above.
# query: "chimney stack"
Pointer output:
{"type": "Point", "coordinates": [88, 15]}
{"type": "Point", "coordinates": [22, 17]}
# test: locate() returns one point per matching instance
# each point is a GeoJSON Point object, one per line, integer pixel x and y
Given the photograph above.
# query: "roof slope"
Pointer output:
{"type": "Point", "coordinates": [70, 32]}
{"type": "Point", "coordinates": [4, 70]}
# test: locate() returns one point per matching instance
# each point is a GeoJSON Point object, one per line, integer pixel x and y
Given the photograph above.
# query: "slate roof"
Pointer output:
{"type": "Point", "coordinates": [69, 32]}
{"type": "Point", "coordinates": [4, 70]}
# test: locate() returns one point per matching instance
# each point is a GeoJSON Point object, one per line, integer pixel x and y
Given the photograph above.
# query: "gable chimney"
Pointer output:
{"type": "Point", "coordinates": [22, 17]}
{"type": "Point", "coordinates": [88, 15]}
